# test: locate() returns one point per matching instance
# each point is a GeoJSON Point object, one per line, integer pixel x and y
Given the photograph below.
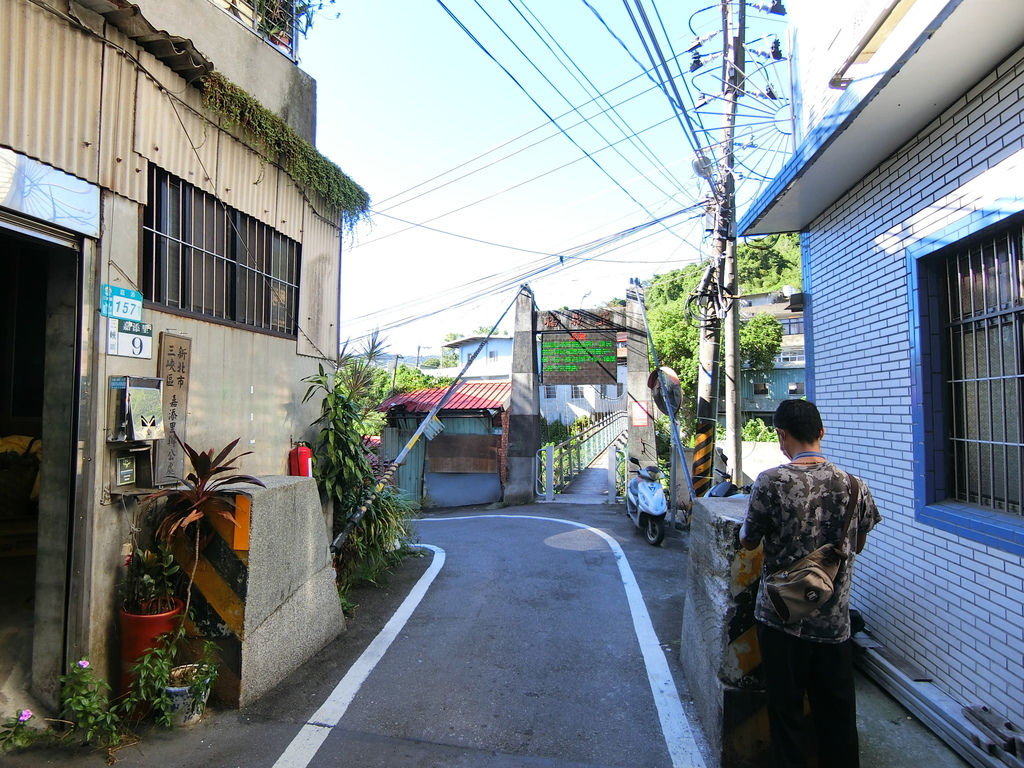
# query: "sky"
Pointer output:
{"type": "Point", "coordinates": [511, 142]}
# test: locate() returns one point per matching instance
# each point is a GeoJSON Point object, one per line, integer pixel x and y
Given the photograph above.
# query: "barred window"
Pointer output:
{"type": "Point", "coordinates": [204, 258]}
{"type": "Point", "coordinates": [985, 371]}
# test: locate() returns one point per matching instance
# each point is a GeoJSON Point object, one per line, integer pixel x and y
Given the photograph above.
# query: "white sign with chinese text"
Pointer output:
{"type": "Point", "coordinates": [128, 338]}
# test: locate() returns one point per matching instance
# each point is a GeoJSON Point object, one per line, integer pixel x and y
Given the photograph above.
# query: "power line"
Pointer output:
{"type": "Point", "coordinates": [537, 104]}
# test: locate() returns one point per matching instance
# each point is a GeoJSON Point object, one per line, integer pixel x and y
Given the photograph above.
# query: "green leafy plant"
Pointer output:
{"type": "Point", "coordinates": [279, 142]}
{"type": "Point", "coordinates": [200, 492]}
{"type": "Point", "coordinates": [377, 518]}
{"type": "Point", "coordinates": [755, 430]}
{"type": "Point", "coordinates": [162, 668]}
{"type": "Point", "coordinates": [151, 581]}
{"type": "Point", "coordinates": [86, 705]}
{"type": "Point", "coordinates": [15, 732]}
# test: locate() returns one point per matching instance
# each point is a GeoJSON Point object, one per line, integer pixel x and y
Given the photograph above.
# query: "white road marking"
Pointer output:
{"type": "Point", "coordinates": [675, 726]}
{"type": "Point", "coordinates": [682, 747]}
{"type": "Point", "coordinates": [313, 734]}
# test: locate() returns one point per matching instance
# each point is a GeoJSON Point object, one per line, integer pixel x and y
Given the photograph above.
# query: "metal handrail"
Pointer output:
{"type": "Point", "coordinates": [572, 456]}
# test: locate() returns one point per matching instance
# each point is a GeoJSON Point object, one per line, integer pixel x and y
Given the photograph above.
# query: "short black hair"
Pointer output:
{"type": "Point", "coordinates": [800, 418]}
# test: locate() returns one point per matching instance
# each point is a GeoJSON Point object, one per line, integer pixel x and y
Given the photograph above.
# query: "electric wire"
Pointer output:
{"type": "Point", "coordinates": [521, 184]}
{"type": "Point", "coordinates": [590, 123]}
{"type": "Point", "coordinates": [611, 113]}
{"type": "Point", "coordinates": [488, 285]}
{"type": "Point", "coordinates": [537, 104]}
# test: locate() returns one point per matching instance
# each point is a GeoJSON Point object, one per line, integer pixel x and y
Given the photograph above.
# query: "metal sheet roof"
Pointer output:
{"type": "Point", "coordinates": [470, 396]}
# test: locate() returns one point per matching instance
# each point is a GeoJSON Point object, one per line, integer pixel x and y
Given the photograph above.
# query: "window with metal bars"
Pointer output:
{"type": "Point", "coordinates": [204, 258]}
{"type": "Point", "coordinates": [984, 340]}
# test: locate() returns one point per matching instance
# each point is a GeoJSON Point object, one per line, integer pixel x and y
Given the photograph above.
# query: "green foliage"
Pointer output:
{"type": "Point", "coordinates": [552, 432]}
{"type": "Point", "coordinates": [340, 464]}
{"type": "Point", "coordinates": [343, 469]}
{"type": "Point", "coordinates": [409, 379]}
{"type": "Point", "coordinates": [86, 705]}
{"type": "Point", "coordinates": [766, 264]}
{"type": "Point", "coordinates": [151, 581]}
{"type": "Point", "coordinates": [163, 667]}
{"type": "Point", "coordinates": [199, 492]}
{"type": "Point", "coordinates": [760, 341]}
{"type": "Point", "coordinates": [15, 732]}
{"type": "Point", "coordinates": [279, 142]}
{"type": "Point", "coordinates": [763, 264]}
{"type": "Point", "coordinates": [755, 430]}
{"type": "Point", "coordinates": [378, 543]}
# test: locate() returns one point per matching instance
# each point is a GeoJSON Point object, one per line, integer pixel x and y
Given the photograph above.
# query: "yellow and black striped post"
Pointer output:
{"type": "Point", "coordinates": [707, 399]}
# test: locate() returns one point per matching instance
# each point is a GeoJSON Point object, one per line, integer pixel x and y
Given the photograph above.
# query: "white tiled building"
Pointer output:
{"type": "Point", "coordinates": [908, 186]}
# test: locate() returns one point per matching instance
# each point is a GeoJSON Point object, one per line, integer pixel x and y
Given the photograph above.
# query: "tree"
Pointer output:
{"type": "Point", "coordinates": [768, 263]}
{"type": "Point", "coordinates": [763, 265]}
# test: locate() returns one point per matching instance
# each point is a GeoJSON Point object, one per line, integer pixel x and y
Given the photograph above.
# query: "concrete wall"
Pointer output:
{"type": "Point", "coordinates": [934, 594]}
{"type": "Point", "coordinates": [243, 57]}
{"type": "Point", "coordinates": [292, 609]}
{"type": "Point", "coordinates": [718, 647]}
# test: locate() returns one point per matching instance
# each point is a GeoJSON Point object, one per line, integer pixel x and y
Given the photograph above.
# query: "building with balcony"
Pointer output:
{"type": "Point", "coordinates": [168, 265]}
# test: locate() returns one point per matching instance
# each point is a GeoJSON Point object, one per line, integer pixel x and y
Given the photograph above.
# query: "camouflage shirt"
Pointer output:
{"type": "Point", "coordinates": [795, 509]}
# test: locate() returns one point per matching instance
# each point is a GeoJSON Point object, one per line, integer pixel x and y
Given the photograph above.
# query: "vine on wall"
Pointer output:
{"type": "Point", "coordinates": [276, 138]}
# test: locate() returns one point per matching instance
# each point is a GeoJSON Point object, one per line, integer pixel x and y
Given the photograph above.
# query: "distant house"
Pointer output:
{"type": "Point", "coordinates": [906, 186]}
{"type": "Point", "coordinates": [568, 402]}
{"type": "Point", "coordinates": [465, 463]}
{"type": "Point", "coordinates": [762, 391]}
{"type": "Point", "coordinates": [493, 360]}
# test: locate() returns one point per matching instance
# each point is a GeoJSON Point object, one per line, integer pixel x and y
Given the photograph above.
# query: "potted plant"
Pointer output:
{"type": "Point", "coordinates": [180, 515]}
{"type": "Point", "coordinates": [152, 575]}
{"type": "Point", "coordinates": [150, 607]}
{"type": "Point", "coordinates": [173, 693]}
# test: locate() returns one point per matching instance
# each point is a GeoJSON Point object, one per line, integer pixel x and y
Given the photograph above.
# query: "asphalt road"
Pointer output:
{"type": "Point", "coordinates": [515, 642]}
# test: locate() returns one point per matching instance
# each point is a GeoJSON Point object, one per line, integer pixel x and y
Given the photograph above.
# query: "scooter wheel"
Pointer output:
{"type": "Point", "coordinates": [655, 530]}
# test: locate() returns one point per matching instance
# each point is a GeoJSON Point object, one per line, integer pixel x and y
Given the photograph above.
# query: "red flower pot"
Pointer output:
{"type": "Point", "coordinates": [139, 633]}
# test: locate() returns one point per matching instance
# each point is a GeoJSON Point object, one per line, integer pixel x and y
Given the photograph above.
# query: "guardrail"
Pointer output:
{"type": "Point", "coordinates": [558, 465]}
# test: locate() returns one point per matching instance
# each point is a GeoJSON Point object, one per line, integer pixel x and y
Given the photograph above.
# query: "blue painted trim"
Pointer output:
{"type": "Point", "coordinates": [931, 507]}
{"type": "Point", "coordinates": [807, 278]}
{"type": "Point", "coordinates": [857, 96]}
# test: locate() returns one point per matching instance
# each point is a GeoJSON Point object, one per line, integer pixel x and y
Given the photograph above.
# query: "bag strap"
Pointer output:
{"type": "Point", "coordinates": [854, 494]}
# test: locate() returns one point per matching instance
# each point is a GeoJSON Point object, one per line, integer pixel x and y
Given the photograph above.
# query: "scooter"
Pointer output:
{"type": "Point", "coordinates": [645, 502]}
{"type": "Point", "coordinates": [726, 487]}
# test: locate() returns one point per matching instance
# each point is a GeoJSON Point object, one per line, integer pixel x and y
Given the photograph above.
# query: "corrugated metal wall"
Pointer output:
{"type": "Point", "coordinates": [43, 118]}
{"type": "Point", "coordinates": [149, 115]}
{"type": "Point", "coordinates": [121, 167]}
{"type": "Point", "coordinates": [318, 289]}
{"type": "Point", "coordinates": [410, 474]}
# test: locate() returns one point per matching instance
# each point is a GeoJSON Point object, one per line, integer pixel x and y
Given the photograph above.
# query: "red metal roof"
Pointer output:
{"type": "Point", "coordinates": [470, 396]}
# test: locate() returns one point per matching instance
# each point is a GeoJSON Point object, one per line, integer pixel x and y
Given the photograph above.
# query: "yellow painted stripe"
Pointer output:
{"type": "Point", "coordinates": [746, 652]}
{"type": "Point", "coordinates": [229, 606]}
{"type": "Point", "coordinates": [745, 569]}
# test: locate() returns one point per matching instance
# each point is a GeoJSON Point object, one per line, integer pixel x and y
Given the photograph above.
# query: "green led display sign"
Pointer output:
{"type": "Point", "coordinates": [578, 357]}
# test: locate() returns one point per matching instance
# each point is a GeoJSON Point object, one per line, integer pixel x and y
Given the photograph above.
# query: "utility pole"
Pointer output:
{"type": "Point", "coordinates": [733, 23]}
{"type": "Point", "coordinates": [722, 271]}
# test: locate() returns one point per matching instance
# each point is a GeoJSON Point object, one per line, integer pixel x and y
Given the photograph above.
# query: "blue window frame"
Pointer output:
{"type": "Point", "coordinates": [969, 408]}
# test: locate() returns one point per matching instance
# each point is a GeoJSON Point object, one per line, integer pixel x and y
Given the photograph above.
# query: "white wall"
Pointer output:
{"type": "Point", "coordinates": [953, 606]}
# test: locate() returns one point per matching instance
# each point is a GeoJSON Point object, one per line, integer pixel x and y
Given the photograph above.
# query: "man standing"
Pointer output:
{"type": "Point", "coordinates": [796, 508]}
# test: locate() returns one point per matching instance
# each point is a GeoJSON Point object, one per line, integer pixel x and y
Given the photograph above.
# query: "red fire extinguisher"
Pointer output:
{"type": "Point", "coordinates": [300, 460]}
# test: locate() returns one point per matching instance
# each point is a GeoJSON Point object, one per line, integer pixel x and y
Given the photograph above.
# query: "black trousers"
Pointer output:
{"type": "Point", "coordinates": [824, 672]}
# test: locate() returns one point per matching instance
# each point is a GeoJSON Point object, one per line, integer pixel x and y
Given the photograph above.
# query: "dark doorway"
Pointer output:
{"type": "Point", "coordinates": [31, 326]}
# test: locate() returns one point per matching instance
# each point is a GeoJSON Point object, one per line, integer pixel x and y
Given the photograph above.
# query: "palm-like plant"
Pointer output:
{"type": "Point", "coordinates": [200, 493]}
